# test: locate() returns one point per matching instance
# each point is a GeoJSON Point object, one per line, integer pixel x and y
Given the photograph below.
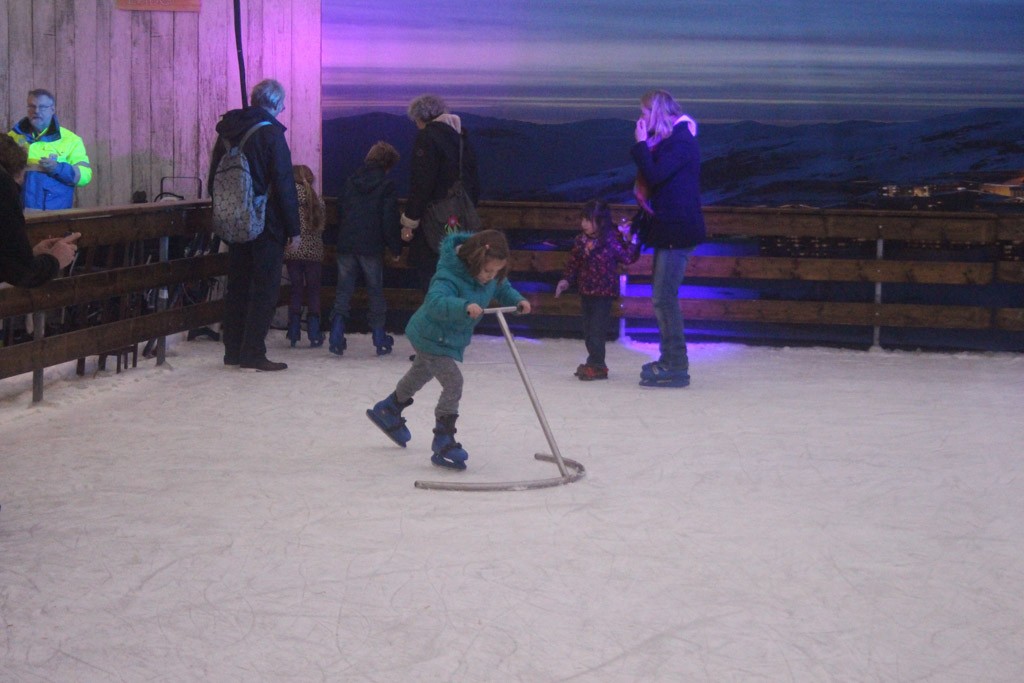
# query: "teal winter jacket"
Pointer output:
{"type": "Point", "coordinates": [441, 325]}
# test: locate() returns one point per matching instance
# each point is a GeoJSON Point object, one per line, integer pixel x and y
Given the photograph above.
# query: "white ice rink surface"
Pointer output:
{"type": "Point", "coordinates": [797, 514]}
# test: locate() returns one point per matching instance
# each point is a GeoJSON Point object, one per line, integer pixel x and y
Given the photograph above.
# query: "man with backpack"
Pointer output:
{"type": "Point", "coordinates": [256, 138]}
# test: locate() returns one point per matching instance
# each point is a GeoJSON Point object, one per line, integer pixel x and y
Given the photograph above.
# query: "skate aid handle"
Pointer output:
{"type": "Point", "coordinates": [502, 309]}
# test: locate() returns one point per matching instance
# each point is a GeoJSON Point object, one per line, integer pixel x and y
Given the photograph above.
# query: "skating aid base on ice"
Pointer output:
{"type": "Point", "coordinates": [564, 464]}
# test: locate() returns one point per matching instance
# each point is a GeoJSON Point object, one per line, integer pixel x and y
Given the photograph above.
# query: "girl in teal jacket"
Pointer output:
{"type": "Point", "coordinates": [471, 273]}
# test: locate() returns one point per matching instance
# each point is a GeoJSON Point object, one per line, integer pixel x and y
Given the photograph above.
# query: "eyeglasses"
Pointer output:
{"type": "Point", "coordinates": [40, 107]}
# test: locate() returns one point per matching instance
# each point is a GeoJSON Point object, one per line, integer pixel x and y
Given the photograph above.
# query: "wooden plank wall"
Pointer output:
{"type": "Point", "coordinates": [145, 89]}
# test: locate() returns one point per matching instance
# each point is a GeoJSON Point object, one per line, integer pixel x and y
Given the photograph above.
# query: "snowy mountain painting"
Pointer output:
{"type": "Point", "coordinates": [744, 163]}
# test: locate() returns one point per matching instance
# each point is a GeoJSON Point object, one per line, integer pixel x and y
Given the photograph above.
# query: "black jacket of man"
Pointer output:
{"type": "Point", "coordinates": [270, 162]}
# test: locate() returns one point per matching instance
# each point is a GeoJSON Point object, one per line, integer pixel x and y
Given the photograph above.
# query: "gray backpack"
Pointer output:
{"type": "Point", "coordinates": [238, 213]}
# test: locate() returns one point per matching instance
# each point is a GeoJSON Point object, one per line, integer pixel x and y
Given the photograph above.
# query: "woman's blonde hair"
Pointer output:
{"type": "Point", "coordinates": [664, 112]}
{"type": "Point", "coordinates": [313, 207]}
{"type": "Point", "coordinates": [484, 246]}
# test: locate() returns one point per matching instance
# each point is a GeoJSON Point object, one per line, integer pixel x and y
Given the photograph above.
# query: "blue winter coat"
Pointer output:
{"type": "Point", "coordinates": [441, 325]}
{"type": "Point", "coordinates": [41, 190]}
{"type": "Point", "coordinates": [672, 169]}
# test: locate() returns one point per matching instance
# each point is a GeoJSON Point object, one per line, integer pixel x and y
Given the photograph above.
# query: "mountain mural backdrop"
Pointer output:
{"type": "Point", "coordinates": [743, 164]}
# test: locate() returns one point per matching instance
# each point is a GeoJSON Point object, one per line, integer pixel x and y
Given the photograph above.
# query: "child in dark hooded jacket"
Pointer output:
{"type": "Point", "coordinates": [369, 219]}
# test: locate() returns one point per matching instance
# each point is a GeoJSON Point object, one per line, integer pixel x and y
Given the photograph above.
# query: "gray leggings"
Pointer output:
{"type": "Point", "coordinates": [426, 367]}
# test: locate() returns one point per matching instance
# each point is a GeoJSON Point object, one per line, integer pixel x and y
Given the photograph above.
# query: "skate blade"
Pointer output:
{"type": "Point", "coordinates": [373, 419]}
{"type": "Point", "coordinates": [665, 383]}
{"type": "Point", "coordinates": [447, 463]}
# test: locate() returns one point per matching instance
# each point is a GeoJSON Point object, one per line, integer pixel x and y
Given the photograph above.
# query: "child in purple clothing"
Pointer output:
{"type": "Point", "coordinates": [593, 268]}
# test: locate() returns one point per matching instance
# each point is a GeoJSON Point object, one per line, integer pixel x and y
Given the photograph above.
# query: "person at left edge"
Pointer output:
{"type": "Point", "coordinates": [57, 160]}
{"type": "Point", "coordinates": [21, 264]}
{"type": "Point", "coordinates": [254, 268]}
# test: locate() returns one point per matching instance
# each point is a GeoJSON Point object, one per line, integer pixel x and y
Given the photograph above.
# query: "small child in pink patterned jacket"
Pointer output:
{"type": "Point", "coordinates": [593, 268]}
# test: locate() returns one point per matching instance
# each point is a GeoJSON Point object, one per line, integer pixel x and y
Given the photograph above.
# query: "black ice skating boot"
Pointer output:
{"type": "Point", "coordinates": [338, 343]}
{"type": "Point", "coordinates": [447, 451]}
{"type": "Point", "coordinates": [387, 415]}
{"type": "Point", "coordinates": [294, 327]}
{"type": "Point", "coordinates": [316, 337]}
{"type": "Point", "coordinates": [659, 374]}
{"type": "Point", "coordinates": [383, 341]}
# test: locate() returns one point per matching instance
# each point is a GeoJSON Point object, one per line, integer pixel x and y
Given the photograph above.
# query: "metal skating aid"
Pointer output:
{"type": "Point", "coordinates": [564, 464]}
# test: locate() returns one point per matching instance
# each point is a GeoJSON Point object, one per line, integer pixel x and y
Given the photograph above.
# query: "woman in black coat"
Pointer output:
{"type": "Point", "coordinates": [435, 167]}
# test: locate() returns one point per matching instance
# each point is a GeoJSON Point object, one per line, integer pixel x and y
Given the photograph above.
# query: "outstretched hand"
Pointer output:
{"type": "Point", "coordinates": [524, 307]}
{"type": "Point", "coordinates": [561, 287]}
{"type": "Point", "coordinates": [474, 310]}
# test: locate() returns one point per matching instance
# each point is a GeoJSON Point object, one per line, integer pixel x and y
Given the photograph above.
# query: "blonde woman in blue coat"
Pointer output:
{"type": "Point", "coordinates": [471, 273]}
{"type": "Point", "coordinates": [668, 163]}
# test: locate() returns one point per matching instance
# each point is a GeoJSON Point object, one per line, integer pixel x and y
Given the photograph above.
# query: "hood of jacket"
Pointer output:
{"type": "Point", "coordinates": [448, 254]}
{"type": "Point", "coordinates": [52, 132]}
{"type": "Point", "coordinates": [451, 120]}
{"type": "Point", "coordinates": [690, 124]}
{"type": "Point", "coordinates": [368, 179]}
{"type": "Point", "coordinates": [236, 122]}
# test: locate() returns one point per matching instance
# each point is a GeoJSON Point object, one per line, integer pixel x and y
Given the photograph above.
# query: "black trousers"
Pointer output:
{"type": "Point", "coordinates": [597, 311]}
{"type": "Point", "coordinates": [423, 260]}
{"type": "Point", "coordinates": [254, 282]}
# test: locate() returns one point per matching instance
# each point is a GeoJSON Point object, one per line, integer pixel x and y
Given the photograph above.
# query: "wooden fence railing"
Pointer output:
{"type": "Point", "coordinates": [802, 267]}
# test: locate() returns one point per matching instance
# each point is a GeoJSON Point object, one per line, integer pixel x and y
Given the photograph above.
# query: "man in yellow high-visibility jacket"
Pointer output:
{"type": "Point", "coordinates": [57, 160]}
